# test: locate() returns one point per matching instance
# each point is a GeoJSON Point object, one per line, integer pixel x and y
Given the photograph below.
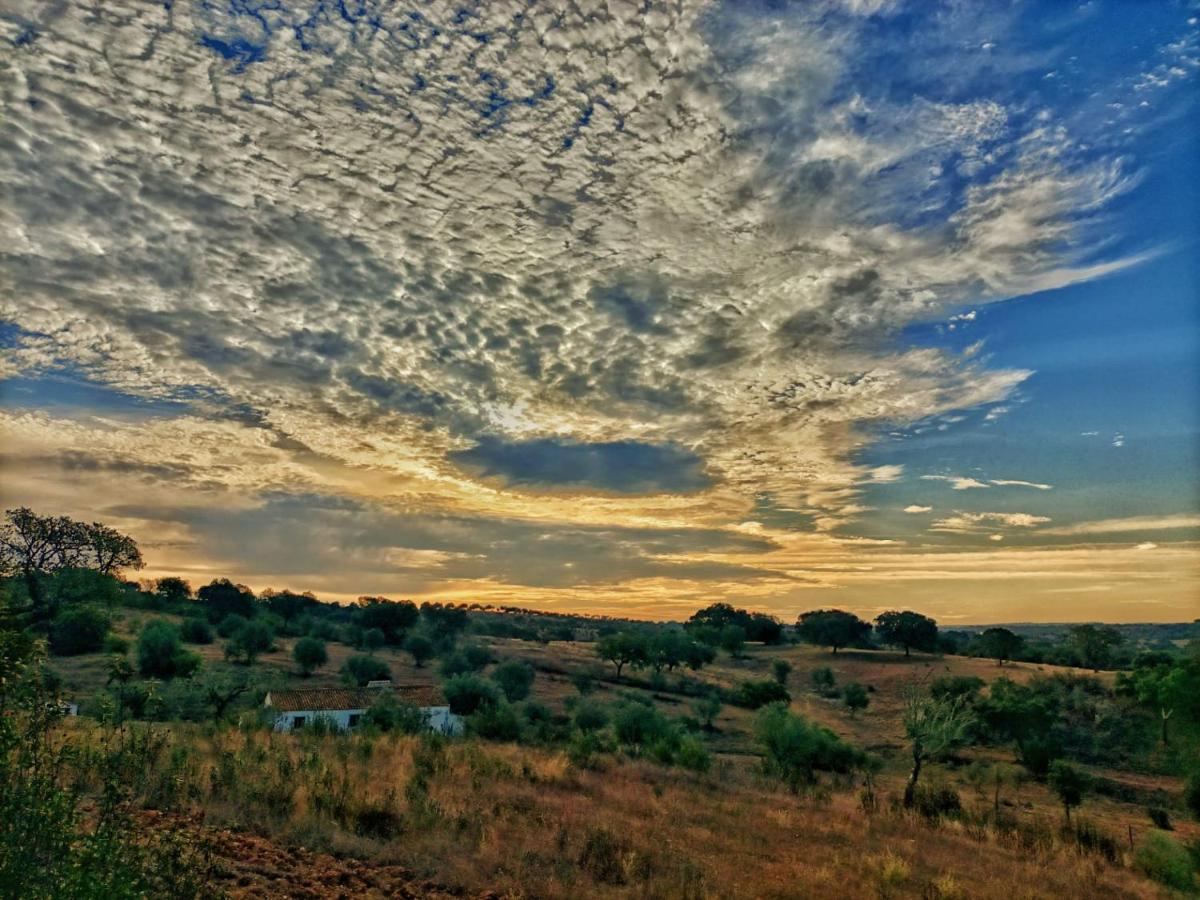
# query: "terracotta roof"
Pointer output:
{"type": "Point", "coordinates": [352, 698]}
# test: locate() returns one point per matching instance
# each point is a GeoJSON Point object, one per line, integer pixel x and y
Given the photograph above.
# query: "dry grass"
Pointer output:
{"type": "Point", "coordinates": [526, 823]}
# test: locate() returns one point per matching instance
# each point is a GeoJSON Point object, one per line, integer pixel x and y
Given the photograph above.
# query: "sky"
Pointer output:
{"type": "Point", "coordinates": [623, 308]}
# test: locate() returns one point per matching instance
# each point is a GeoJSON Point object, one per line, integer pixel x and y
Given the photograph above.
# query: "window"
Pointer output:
{"type": "Point", "coordinates": [298, 721]}
{"type": "Point", "coordinates": [354, 717]}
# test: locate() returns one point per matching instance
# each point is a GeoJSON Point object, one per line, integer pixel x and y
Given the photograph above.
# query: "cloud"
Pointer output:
{"type": "Point", "coordinates": [626, 466]}
{"type": "Point", "coordinates": [963, 482]}
{"type": "Point", "coordinates": [914, 508]}
{"type": "Point", "coordinates": [355, 251]}
{"type": "Point", "coordinates": [958, 482]}
{"type": "Point", "coordinates": [971, 523]}
{"type": "Point", "coordinates": [1000, 482]}
{"type": "Point", "coordinates": [1133, 523]}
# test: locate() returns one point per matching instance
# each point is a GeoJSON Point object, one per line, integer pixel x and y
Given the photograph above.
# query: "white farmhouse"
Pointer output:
{"type": "Point", "coordinates": [345, 707]}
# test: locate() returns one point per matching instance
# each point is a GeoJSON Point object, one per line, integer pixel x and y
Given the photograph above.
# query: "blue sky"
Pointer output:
{"type": "Point", "coordinates": [781, 303]}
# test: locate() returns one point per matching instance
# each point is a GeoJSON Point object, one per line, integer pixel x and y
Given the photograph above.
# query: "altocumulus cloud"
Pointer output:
{"type": "Point", "coordinates": [364, 236]}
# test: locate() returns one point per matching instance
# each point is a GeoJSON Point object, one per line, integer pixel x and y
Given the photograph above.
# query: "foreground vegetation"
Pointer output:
{"type": "Point", "coordinates": [726, 756]}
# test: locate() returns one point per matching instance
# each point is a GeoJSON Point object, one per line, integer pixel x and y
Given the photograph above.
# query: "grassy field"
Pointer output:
{"type": "Point", "coordinates": [525, 821]}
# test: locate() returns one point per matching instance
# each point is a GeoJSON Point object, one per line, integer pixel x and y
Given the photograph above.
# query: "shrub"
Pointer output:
{"type": "Point", "coordinates": [362, 669]}
{"type": "Point", "coordinates": [1191, 794]}
{"type": "Point", "coordinates": [196, 631]}
{"type": "Point", "coordinates": [251, 639]}
{"type": "Point", "coordinates": [309, 654]}
{"type": "Point", "coordinates": [780, 670]}
{"type": "Point", "coordinates": [372, 639]}
{"type": "Point", "coordinates": [584, 682]}
{"type": "Point", "coordinates": [116, 645]}
{"type": "Point", "coordinates": [639, 725]}
{"type": "Point", "coordinates": [797, 749]}
{"type": "Point", "coordinates": [967, 686]}
{"type": "Point", "coordinates": [229, 625]}
{"type": "Point", "coordinates": [420, 647]}
{"type": "Point", "coordinates": [824, 682]}
{"type": "Point", "coordinates": [496, 721]}
{"type": "Point", "coordinates": [602, 856]}
{"type": "Point", "coordinates": [756, 694]}
{"type": "Point", "coordinates": [935, 802]}
{"type": "Point", "coordinates": [468, 693]}
{"type": "Point", "coordinates": [855, 696]}
{"type": "Point", "coordinates": [707, 708]}
{"type": "Point", "coordinates": [1161, 858]}
{"type": "Point", "coordinates": [693, 755]}
{"type": "Point", "coordinates": [391, 714]}
{"type": "Point", "coordinates": [590, 716]}
{"type": "Point", "coordinates": [1159, 817]}
{"type": "Point", "coordinates": [466, 660]}
{"type": "Point", "coordinates": [160, 652]}
{"type": "Point", "coordinates": [1069, 783]}
{"type": "Point", "coordinates": [514, 677]}
{"type": "Point", "coordinates": [78, 629]}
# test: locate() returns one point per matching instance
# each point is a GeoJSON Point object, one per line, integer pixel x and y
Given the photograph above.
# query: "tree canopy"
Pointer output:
{"type": "Point", "coordinates": [907, 629]}
{"type": "Point", "coordinates": [833, 628]}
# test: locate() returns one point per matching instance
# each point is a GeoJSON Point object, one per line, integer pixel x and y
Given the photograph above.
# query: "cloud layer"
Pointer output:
{"type": "Point", "coordinates": [451, 267]}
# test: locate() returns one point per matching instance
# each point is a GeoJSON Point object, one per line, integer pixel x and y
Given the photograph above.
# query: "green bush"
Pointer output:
{"type": "Point", "coordinates": [590, 716]}
{"type": "Point", "coordinates": [196, 631]}
{"type": "Point", "coordinates": [466, 660]}
{"type": "Point", "coordinates": [495, 722]}
{"type": "Point", "coordinates": [797, 749]}
{"type": "Point", "coordinates": [1191, 794]}
{"type": "Point", "coordinates": [693, 755]}
{"type": "Point", "coordinates": [251, 639]}
{"type": "Point", "coordinates": [466, 694]}
{"type": "Point", "coordinates": [514, 677]}
{"type": "Point", "coordinates": [756, 694]}
{"type": "Point", "coordinates": [824, 682]}
{"type": "Point", "coordinates": [160, 652]}
{"type": "Point", "coordinates": [420, 647]}
{"type": "Point", "coordinates": [310, 654]}
{"type": "Point", "coordinates": [362, 669]}
{"type": "Point", "coordinates": [639, 725]}
{"type": "Point", "coordinates": [116, 645]}
{"type": "Point", "coordinates": [390, 714]}
{"type": "Point", "coordinates": [77, 630]}
{"type": "Point", "coordinates": [855, 696]}
{"type": "Point", "coordinates": [229, 625]}
{"type": "Point", "coordinates": [1161, 858]}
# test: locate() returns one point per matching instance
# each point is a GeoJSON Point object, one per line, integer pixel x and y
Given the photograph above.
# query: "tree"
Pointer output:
{"type": "Point", "coordinates": [289, 605]}
{"type": "Point", "coordinates": [934, 726]}
{"type": "Point", "coordinates": [855, 696]}
{"type": "Point", "coordinates": [195, 631]}
{"type": "Point", "coordinates": [824, 682]}
{"type": "Point", "coordinates": [160, 652]}
{"type": "Point", "coordinates": [372, 639]}
{"type": "Point", "coordinates": [33, 546]}
{"type": "Point", "coordinates": [1000, 644]}
{"type": "Point", "coordinates": [419, 647]}
{"type": "Point", "coordinates": [360, 670]}
{"type": "Point", "coordinates": [393, 617]}
{"type": "Point", "coordinates": [796, 749]}
{"type": "Point", "coordinates": [310, 654]}
{"type": "Point", "coordinates": [1165, 686]}
{"type": "Point", "coordinates": [111, 552]}
{"type": "Point", "coordinates": [443, 621]}
{"type": "Point", "coordinates": [707, 708]}
{"type": "Point", "coordinates": [756, 694]}
{"type": "Point", "coordinates": [733, 640]}
{"type": "Point", "coordinates": [1069, 783]}
{"type": "Point", "coordinates": [833, 628]}
{"type": "Point", "coordinates": [623, 648]}
{"type": "Point", "coordinates": [781, 669]}
{"type": "Point", "coordinates": [78, 629]}
{"type": "Point", "coordinates": [514, 677]}
{"type": "Point", "coordinates": [755, 626]}
{"type": "Point", "coordinates": [1094, 644]}
{"type": "Point", "coordinates": [223, 598]}
{"type": "Point", "coordinates": [173, 590]}
{"type": "Point", "coordinates": [251, 639]}
{"type": "Point", "coordinates": [466, 694]}
{"type": "Point", "coordinates": [907, 629]}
